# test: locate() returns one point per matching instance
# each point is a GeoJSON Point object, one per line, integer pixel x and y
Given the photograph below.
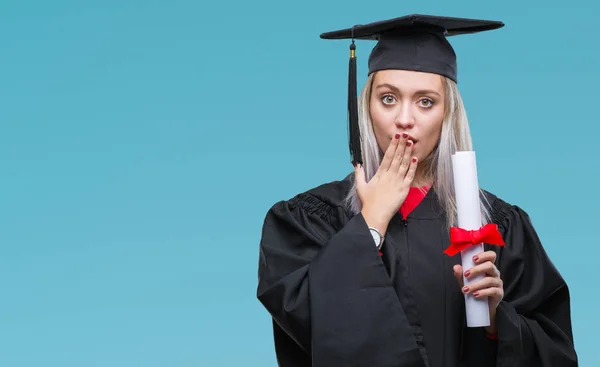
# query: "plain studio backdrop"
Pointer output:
{"type": "Point", "coordinates": [142, 142]}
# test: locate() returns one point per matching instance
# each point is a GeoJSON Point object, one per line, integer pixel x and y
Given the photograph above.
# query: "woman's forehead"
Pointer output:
{"type": "Point", "coordinates": [407, 79]}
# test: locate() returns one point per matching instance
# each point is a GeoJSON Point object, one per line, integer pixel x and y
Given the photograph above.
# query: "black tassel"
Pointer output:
{"type": "Point", "coordinates": [353, 128]}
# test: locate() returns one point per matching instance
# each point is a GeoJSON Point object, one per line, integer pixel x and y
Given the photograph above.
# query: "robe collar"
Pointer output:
{"type": "Point", "coordinates": [419, 205]}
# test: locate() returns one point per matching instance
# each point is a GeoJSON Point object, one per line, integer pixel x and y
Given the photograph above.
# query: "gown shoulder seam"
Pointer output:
{"type": "Point", "coordinates": [314, 205]}
{"type": "Point", "coordinates": [500, 210]}
{"type": "Point", "coordinates": [324, 200]}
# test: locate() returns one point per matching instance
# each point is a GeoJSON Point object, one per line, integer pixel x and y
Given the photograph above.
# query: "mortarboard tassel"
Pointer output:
{"type": "Point", "coordinates": [353, 127]}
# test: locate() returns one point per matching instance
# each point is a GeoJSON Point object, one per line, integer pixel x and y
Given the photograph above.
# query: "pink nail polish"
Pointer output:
{"type": "Point", "coordinates": [475, 258]}
{"type": "Point", "coordinates": [397, 136]}
{"type": "Point", "coordinates": [467, 273]}
{"type": "Point", "coordinates": [476, 294]}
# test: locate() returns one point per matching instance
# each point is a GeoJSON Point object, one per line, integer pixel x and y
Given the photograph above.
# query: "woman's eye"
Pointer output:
{"type": "Point", "coordinates": [388, 99]}
{"type": "Point", "coordinates": [426, 102]}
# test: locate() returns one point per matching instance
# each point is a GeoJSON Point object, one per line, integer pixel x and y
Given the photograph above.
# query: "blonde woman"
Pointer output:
{"type": "Point", "coordinates": [353, 272]}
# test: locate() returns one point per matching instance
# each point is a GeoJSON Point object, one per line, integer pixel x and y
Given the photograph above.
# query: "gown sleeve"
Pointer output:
{"type": "Point", "coordinates": [324, 284]}
{"type": "Point", "coordinates": [534, 317]}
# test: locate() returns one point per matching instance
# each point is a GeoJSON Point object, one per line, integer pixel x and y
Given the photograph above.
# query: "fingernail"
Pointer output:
{"type": "Point", "coordinates": [414, 160]}
{"type": "Point", "coordinates": [468, 273]}
{"type": "Point", "coordinates": [404, 135]}
{"type": "Point", "coordinates": [466, 289]}
{"type": "Point", "coordinates": [476, 294]}
{"type": "Point", "coordinates": [475, 258]}
{"type": "Point", "coordinates": [397, 136]}
{"type": "Point", "coordinates": [410, 143]}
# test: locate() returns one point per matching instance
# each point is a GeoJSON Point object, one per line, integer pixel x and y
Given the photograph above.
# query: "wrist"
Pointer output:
{"type": "Point", "coordinates": [377, 223]}
{"type": "Point", "coordinates": [492, 329]}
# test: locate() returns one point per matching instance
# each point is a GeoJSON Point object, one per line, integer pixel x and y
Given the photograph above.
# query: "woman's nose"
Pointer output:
{"type": "Point", "coordinates": [405, 118]}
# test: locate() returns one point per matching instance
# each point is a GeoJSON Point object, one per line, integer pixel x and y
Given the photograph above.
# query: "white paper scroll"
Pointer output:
{"type": "Point", "coordinates": [466, 187]}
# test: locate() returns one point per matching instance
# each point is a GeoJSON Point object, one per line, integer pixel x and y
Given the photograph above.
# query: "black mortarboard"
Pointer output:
{"type": "Point", "coordinates": [413, 42]}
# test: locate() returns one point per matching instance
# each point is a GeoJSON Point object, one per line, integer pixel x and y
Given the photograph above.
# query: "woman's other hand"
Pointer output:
{"type": "Point", "coordinates": [490, 286]}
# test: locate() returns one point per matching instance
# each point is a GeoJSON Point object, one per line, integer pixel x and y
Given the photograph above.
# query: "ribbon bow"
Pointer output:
{"type": "Point", "coordinates": [461, 239]}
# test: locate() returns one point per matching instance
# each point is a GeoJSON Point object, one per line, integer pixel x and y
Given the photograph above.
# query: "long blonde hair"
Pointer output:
{"type": "Point", "coordinates": [437, 167]}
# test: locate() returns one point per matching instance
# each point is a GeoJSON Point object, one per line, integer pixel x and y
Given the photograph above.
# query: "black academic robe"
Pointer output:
{"type": "Point", "coordinates": [336, 302]}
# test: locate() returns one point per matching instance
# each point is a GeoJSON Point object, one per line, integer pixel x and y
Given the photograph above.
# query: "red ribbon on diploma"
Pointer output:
{"type": "Point", "coordinates": [461, 239]}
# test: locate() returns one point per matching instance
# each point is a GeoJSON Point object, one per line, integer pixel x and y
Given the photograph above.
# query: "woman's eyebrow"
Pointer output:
{"type": "Point", "coordinates": [422, 91]}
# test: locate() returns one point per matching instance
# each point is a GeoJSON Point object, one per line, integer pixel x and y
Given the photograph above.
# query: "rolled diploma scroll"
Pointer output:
{"type": "Point", "coordinates": [466, 187]}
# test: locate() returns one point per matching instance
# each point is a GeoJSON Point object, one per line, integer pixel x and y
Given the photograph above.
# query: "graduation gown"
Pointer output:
{"type": "Point", "coordinates": [335, 301]}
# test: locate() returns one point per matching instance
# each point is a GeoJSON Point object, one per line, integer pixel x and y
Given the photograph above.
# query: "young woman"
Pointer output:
{"type": "Point", "coordinates": [353, 272]}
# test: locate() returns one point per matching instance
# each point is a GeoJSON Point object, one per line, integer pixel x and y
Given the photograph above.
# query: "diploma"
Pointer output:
{"type": "Point", "coordinates": [466, 187]}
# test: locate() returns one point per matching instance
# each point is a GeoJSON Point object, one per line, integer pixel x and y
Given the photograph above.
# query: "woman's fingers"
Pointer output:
{"type": "Point", "coordinates": [491, 285]}
{"type": "Point", "coordinates": [406, 158]}
{"type": "Point", "coordinates": [496, 293]}
{"type": "Point", "coordinates": [389, 154]}
{"type": "Point", "coordinates": [458, 274]}
{"type": "Point", "coordinates": [483, 284]}
{"type": "Point", "coordinates": [487, 268]}
{"type": "Point", "coordinates": [398, 154]}
{"type": "Point", "coordinates": [484, 256]}
{"type": "Point", "coordinates": [412, 169]}
{"type": "Point", "coordinates": [359, 173]}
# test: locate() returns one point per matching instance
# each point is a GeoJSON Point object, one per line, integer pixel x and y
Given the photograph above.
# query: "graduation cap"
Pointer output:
{"type": "Point", "coordinates": [414, 42]}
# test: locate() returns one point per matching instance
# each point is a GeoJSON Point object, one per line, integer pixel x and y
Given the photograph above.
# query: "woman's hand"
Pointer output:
{"type": "Point", "coordinates": [383, 195]}
{"type": "Point", "coordinates": [490, 286]}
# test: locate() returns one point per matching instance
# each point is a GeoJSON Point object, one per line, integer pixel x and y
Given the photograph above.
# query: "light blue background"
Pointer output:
{"type": "Point", "coordinates": [142, 142]}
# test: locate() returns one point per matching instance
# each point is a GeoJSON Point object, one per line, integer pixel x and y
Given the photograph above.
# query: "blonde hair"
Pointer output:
{"type": "Point", "coordinates": [437, 167]}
